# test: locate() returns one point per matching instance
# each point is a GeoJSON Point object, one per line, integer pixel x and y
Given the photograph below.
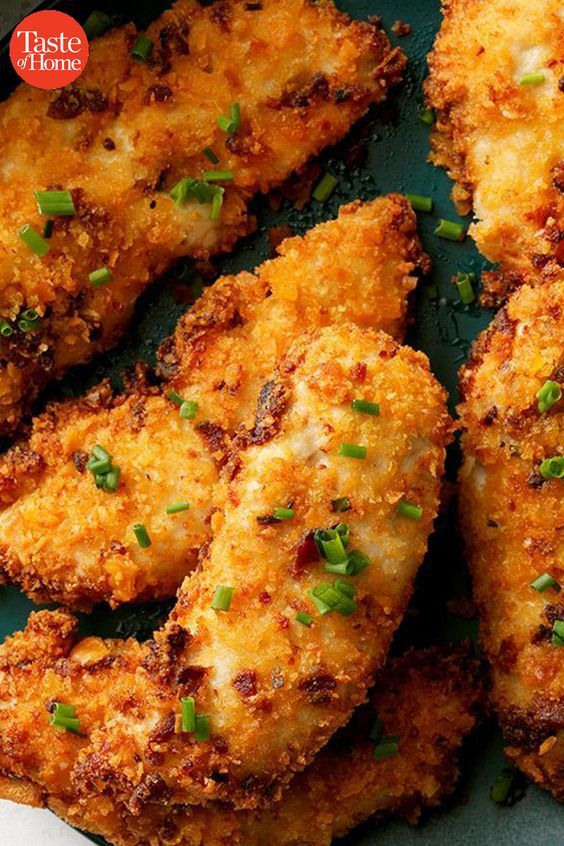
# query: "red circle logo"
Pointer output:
{"type": "Point", "coordinates": [49, 49]}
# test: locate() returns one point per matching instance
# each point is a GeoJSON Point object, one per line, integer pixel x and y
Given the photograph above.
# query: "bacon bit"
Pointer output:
{"type": "Point", "coordinates": [358, 371]}
{"type": "Point", "coordinates": [264, 597]}
{"type": "Point", "coordinates": [245, 683]}
{"type": "Point", "coordinates": [318, 687]}
{"type": "Point", "coordinates": [306, 553]}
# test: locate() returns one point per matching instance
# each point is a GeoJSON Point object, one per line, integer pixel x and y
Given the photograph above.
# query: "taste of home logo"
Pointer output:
{"type": "Point", "coordinates": [49, 49]}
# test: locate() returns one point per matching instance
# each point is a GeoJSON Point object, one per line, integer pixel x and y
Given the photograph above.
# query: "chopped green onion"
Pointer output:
{"type": "Point", "coordinates": [202, 728]}
{"type": "Point", "coordinates": [532, 79]}
{"type": "Point", "coordinates": [188, 705]}
{"type": "Point", "coordinates": [5, 329]}
{"type": "Point", "coordinates": [48, 228]}
{"type": "Point", "coordinates": [99, 466]}
{"type": "Point", "coordinates": [34, 241]}
{"type": "Point", "coordinates": [142, 535]}
{"type": "Point", "coordinates": [344, 587]}
{"type": "Point", "coordinates": [450, 230]}
{"type": "Point", "coordinates": [325, 187]}
{"type": "Point", "coordinates": [508, 787]}
{"type": "Point", "coordinates": [217, 203]}
{"type": "Point", "coordinates": [233, 123]}
{"type": "Point", "coordinates": [545, 581]}
{"type": "Point", "coordinates": [365, 407]}
{"type": "Point", "coordinates": [222, 598]}
{"type": "Point", "coordinates": [197, 189]}
{"type": "Point", "coordinates": [358, 562]}
{"type": "Point", "coordinates": [340, 505]}
{"type": "Point", "coordinates": [463, 282]}
{"type": "Point", "coordinates": [29, 320]}
{"type": "Point", "coordinates": [419, 203]}
{"type": "Point", "coordinates": [209, 153]}
{"type": "Point", "coordinates": [64, 717]}
{"type": "Point", "coordinates": [142, 48]}
{"type": "Point", "coordinates": [427, 116]}
{"type": "Point", "coordinates": [558, 633]}
{"type": "Point", "coordinates": [100, 277]}
{"type": "Point", "coordinates": [236, 116]}
{"type": "Point", "coordinates": [553, 468]}
{"type": "Point", "coordinates": [55, 203]}
{"type": "Point", "coordinates": [111, 479]}
{"type": "Point", "coordinates": [408, 509]}
{"type": "Point", "coordinates": [96, 24]}
{"type": "Point", "coordinates": [377, 730]}
{"type": "Point", "coordinates": [283, 513]}
{"type": "Point", "coordinates": [99, 452]}
{"type": "Point", "coordinates": [175, 398]}
{"type": "Point", "coordinates": [352, 451]}
{"type": "Point", "coordinates": [548, 395]}
{"type": "Point", "coordinates": [305, 619]}
{"type": "Point", "coordinates": [331, 546]}
{"type": "Point", "coordinates": [188, 409]}
{"type": "Point", "coordinates": [329, 598]}
{"type": "Point", "coordinates": [218, 175]}
{"type": "Point", "coordinates": [177, 507]}
{"type": "Point", "coordinates": [387, 747]}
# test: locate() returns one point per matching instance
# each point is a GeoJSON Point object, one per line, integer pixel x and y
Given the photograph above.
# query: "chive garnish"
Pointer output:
{"type": "Point", "coordinates": [200, 190]}
{"type": "Point", "coordinates": [305, 619]}
{"type": "Point", "coordinates": [340, 505]}
{"type": "Point", "coordinates": [283, 513]}
{"type": "Point", "coordinates": [327, 598]}
{"type": "Point", "coordinates": [552, 468]}
{"type": "Point", "coordinates": [365, 407]}
{"type": "Point", "coordinates": [222, 598]}
{"type": "Point", "coordinates": [331, 545]}
{"type": "Point", "coordinates": [64, 717]}
{"type": "Point", "coordinates": [96, 24]}
{"type": "Point", "coordinates": [175, 397]}
{"type": "Point", "coordinates": [209, 153]}
{"type": "Point", "coordinates": [188, 409]}
{"type": "Point", "coordinates": [352, 450]}
{"type": "Point", "coordinates": [177, 507]}
{"type": "Point", "coordinates": [100, 277]}
{"type": "Point", "coordinates": [142, 535]}
{"type": "Point", "coordinates": [325, 187]}
{"type": "Point", "coordinates": [387, 747]}
{"type": "Point", "coordinates": [419, 203]}
{"type": "Point", "coordinates": [508, 787]}
{"type": "Point", "coordinates": [55, 203]}
{"type": "Point", "coordinates": [558, 633]}
{"type": "Point", "coordinates": [233, 123]}
{"type": "Point", "coordinates": [463, 283]}
{"type": "Point", "coordinates": [202, 728]}
{"type": "Point", "coordinates": [29, 320]}
{"type": "Point", "coordinates": [545, 581]}
{"type": "Point", "coordinates": [218, 175]}
{"type": "Point", "coordinates": [408, 509]}
{"type": "Point", "coordinates": [532, 78]}
{"type": "Point", "coordinates": [450, 230]}
{"type": "Point", "coordinates": [427, 116]}
{"type": "Point", "coordinates": [188, 706]}
{"type": "Point", "coordinates": [142, 48]}
{"type": "Point", "coordinates": [5, 329]}
{"type": "Point", "coordinates": [36, 243]}
{"type": "Point", "coordinates": [548, 395]}
{"type": "Point", "coordinates": [106, 474]}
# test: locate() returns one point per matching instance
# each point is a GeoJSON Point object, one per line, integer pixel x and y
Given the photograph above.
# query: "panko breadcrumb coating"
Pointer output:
{"type": "Point", "coordinates": [122, 136]}
{"type": "Point", "coordinates": [512, 516]}
{"type": "Point", "coordinates": [343, 786]}
{"type": "Point", "coordinates": [275, 689]}
{"type": "Point", "coordinates": [62, 538]}
{"type": "Point", "coordinates": [497, 87]}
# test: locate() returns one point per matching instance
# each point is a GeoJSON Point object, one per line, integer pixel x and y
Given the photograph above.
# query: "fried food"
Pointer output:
{"type": "Point", "coordinates": [62, 538]}
{"type": "Point", "coordinates": [120, 139]}
{"type": "Point", "coordinates": [497, 87]}
{"type": "Point", "coordinates": [275, 689]}
{"type": "Point", "coordinates": [512, 515]}
{"type": "Point", "coordinates": [342, 787]}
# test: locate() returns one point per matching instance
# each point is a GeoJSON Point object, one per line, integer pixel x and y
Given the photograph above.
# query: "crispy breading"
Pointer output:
{"type": "Point", "coordinates": [276, 690]}
{"type": "Point", "coordinates": [500, 139]}
{"type": "Point", "coordinates": [360, 267]}
{"type": "Point", "coordinates": [342, 787]}
{"type": "Point", "coordinates": [119, 139]}
{"type": "Point", "coordinates": [513, 521]}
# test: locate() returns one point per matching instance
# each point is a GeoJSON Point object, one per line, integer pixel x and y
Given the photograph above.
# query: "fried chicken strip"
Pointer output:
{"type": "Point", "coordinates": [513, 522]}
{"type": "Point", "coordinates": [276, 690]}
{"type": "Point", "coordinates": [360, 267]}
{"type": "Point", "coordinates": [341, 788]}
{"type": "Point", "coordinates": [497, 86]}
{"type": "Point", "coordinates": [123, 136]}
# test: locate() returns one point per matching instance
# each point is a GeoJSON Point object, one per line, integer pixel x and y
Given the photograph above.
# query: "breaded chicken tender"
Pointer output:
{"type": "Point", "coordinates": [275, 686]}
{"type": "Point", "coordinates": [497, 87]}
{"type": "Point", "coordinates": [343, 786]}
{"type": "Point", "coordinates": [122, 137]}
{"type": "Point", "coordinates": [62, 538]}
{"type": "Point", "coordinates": [512, 514]}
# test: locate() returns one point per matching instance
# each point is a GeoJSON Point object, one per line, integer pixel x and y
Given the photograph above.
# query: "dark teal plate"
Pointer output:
{"type": "Point", "coordinates": [396, 160]}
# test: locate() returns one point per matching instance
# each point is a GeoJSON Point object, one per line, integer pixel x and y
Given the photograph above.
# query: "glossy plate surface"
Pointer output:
{"type": "Point", "coordinates": [395, 160]}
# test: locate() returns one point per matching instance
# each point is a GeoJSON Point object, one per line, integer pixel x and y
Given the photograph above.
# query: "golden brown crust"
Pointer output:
{"type": "Point", "coordinates": [501, 140]}
{"type": "Point", "coordinates": [342, 787]}
{"type": "Point", "coordinates": [130, 130]}
{"type": "Point", "coordinates": [360, 267]}
{"type": "Point", "coordinates": [513, 521]}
